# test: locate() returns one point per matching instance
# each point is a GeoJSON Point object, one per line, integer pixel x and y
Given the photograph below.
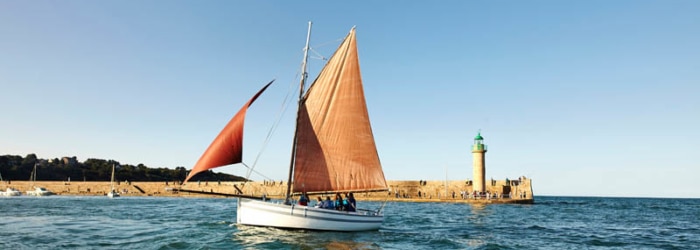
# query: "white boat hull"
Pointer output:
{"type": "Point", "coordinates": [261, 213]}
{"type": "Point", "coordinates": [112, 194]}
{"type": "Point", "coordinates": [11, 192]}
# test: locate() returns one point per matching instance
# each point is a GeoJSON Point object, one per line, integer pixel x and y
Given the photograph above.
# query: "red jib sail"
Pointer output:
{"type": "Point", "coordinates": [227, 148]}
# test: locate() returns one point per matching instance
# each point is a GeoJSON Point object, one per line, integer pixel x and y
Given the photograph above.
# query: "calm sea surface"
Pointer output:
{"type": "Point", "coordinates": [189, 223]}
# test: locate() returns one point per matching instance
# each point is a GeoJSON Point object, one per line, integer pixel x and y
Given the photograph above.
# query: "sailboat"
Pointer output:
{"type": "Point", "coordinates": [333, 151]}
{"type": "Point", "coordinates": [9, 191]}
{"type": "Point", "coordinates": [112, 191]}
{"type": "Point", "coordinates": [38, 191]}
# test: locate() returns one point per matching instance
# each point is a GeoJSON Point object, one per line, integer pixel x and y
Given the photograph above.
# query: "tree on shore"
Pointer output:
{"type": "Point", "coordinates": [14, 167]}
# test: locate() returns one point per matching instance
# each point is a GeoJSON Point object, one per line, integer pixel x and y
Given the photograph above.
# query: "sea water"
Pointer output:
{"type": "Point", "coordinates": [75, 222]}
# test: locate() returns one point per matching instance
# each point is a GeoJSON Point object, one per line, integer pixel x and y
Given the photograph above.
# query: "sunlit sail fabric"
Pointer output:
{"type": "Point", "coordinates": [335, 148]}
{"type": "Point", "coordinates": [227, 148]}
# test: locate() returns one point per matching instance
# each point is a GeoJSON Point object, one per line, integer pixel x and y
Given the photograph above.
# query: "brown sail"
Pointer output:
{"type": "Point", "coordinates": [227, 148]}
{"type": "Point", "coordinates": [335, 148]}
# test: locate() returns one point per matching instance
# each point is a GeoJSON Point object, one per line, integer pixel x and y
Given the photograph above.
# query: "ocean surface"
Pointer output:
{"type": "Point", "coordinates": [74, 222]}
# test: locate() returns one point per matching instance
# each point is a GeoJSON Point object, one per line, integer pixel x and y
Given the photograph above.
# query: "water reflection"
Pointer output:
{"type": "Point", "coordinates": [253, 237]}
{"type": "Point", "coordinates": [479, 212]}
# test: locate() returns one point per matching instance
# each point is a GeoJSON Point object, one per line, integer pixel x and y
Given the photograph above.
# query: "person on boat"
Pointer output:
{"type": "Point", "coordinates": [328, 204]}
{"type": "Point", "coordinates": [351, 203]}
{"type": "Point", "coordinates": [339, 202]}
{"type": "Point", "coordinates": [303, 199]}
{"type": "Point", "coordinates": [319, 202]}
{"type": "Point", "coordinates": [345, 203]}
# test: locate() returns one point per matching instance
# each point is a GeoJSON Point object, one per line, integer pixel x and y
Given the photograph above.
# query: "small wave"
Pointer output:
{"type": "Point", "coordinates": [562, 203]}
{"type": "Point", "coordinates": [603, 243]}
{"type": "Point", "coordinates": [536, 227]}
{"type": "Point", "coordinates": [494, 246]}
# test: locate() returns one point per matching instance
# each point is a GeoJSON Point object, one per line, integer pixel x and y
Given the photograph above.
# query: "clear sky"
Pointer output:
{"type": "Point", "coordinates": [588, 98]}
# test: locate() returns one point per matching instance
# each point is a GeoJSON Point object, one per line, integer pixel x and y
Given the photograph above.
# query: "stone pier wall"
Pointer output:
{"type": "Point", "coordinates": [408, 190]}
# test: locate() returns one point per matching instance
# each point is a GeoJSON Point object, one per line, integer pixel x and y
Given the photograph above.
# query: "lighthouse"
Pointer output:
{"type": "Point", "coordinates": [479, 164]}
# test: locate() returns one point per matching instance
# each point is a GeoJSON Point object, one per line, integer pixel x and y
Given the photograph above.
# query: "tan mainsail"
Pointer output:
{"type": "Point", "coordinates": [335, 148]}
{"type": "Point", "coordinates": [227, 148]}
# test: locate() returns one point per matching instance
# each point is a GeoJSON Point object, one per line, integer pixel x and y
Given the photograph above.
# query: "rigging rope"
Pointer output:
{"type": "Point", "coordinates": [253, 170]}
{"type": "Point", "coordinates": [318, 55]}
{"type": "Point", "coordinates": [275, 125]}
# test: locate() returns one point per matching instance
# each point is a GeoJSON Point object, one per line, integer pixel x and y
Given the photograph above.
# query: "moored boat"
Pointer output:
{"type": "Point", "coordinates": [38, 191]}
{"type": "Point", "coordinates": [10, 192]}
{"type": "Point", "coordinates": [112, 191]}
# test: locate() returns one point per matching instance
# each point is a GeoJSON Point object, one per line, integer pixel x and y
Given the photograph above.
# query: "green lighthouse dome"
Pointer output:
{"type": "Point", "coordinates": [478, 137]}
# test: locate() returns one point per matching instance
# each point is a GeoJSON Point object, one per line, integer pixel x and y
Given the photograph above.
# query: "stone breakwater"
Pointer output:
{"type": "Point", "coordinates": [499, 191]}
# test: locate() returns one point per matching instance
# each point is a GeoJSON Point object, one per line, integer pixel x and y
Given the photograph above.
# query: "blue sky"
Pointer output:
{"type": "Point", "coordinates": [588, 98]}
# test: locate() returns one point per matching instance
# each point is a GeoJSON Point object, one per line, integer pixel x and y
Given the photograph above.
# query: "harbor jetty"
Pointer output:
{"type": "Point", "coordinates": [406, 190]}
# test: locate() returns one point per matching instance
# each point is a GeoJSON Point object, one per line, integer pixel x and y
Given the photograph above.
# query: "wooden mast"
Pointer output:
{"type": "Point", "coordinates": [301, 97]}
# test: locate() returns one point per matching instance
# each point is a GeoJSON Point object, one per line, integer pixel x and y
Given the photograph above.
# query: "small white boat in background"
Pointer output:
{"type": "Point", "coordinates": [112, 192]}
{"type": "Point", "coordinates": [10, 192]}
{"type": "Point", "coordinates": [38, 191]}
